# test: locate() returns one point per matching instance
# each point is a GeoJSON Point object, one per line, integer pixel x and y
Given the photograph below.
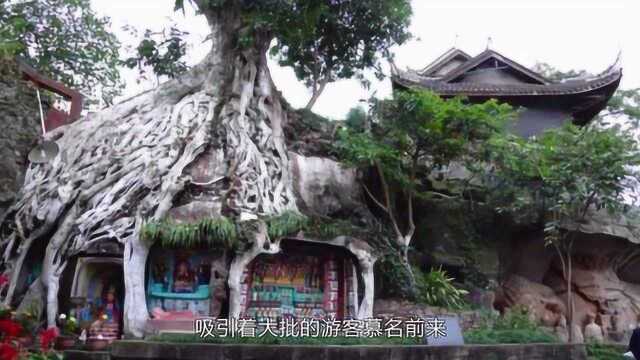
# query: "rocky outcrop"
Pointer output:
{"type": "Point", "coordinates": [604, 281]}
{"type": "Point", "coordinates": [540, 300]}
{"type": "Point", "coordinates": [324, 186]}
{"type": "Point", "coordinates": [625, 226]}
{"type": "Point", "coordinates": [615, 304]}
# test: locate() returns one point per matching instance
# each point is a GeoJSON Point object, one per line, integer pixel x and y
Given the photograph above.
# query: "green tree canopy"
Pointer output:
{"type": "Point", "coordinates": [414, 134]}
{"type": "Point", "coordinates": [162, 51]}
{"type": "Point", "coordinates": [66, 40]}
{"type": "Point", "coordinates": [565, 175]}
{"type": "Point", "coordinates": [356, 119]}
{"type": "Point", "coordinates": [325, 40]}
{"type": "Point", "coordinates": [573, 169]}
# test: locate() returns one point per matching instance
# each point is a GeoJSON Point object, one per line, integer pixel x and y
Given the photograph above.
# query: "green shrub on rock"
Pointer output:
{"type": "Point", "coordinates": [514, 327]}
{"type": "Point", "coordinates": [436, 288]}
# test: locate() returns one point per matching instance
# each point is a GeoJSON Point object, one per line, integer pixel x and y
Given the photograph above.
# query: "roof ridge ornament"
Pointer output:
{"type": "Point", "coordinates": [489, 43]}
{"type": "Point", "coordinates": [617, 65]}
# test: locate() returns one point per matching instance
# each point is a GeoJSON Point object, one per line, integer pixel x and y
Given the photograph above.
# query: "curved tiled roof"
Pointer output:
{"type": "Point", "coordinates": [411, 79]}
{"type": "Point", "coordinates": [443, 60]}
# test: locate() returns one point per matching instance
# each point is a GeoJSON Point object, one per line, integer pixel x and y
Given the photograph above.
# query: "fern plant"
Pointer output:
{"type": "Point", "coordinates": [224, 232]}
{"type": "Point", "coordinates": [436, 288]}
{"type": "Point", "coordinates": [210, 232]}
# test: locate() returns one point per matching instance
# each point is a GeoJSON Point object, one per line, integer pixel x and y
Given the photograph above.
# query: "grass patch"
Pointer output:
{"type": "Point", "coordinates": [273, 340]}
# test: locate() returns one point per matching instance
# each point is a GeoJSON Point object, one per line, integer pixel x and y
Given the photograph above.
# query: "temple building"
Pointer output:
{"type": "Point", "coordinates": [491, 75]}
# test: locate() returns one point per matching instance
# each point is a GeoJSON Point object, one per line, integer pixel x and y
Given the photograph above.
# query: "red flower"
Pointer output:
{"type": "Point", "coordinates": [9, 328]}
{"type": "Point", "coordinates": [3, 279]}
{"type": "Point", "coordinates": [47, 337]}
{"type": "Point", "coordinates": [8, 352]}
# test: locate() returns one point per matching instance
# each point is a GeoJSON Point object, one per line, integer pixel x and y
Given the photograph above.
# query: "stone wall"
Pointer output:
{"type": "Point", "coordinates": [404, 309]}
{"type": "Point", "coordinates": [129, 350]}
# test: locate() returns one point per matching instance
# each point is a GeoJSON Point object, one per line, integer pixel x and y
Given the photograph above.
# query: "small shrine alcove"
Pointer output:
{"type": "Point", "coordinates": [183, 284]}
{"type": "Point", "coordinates": [97, 296]}
{"type": "Point", "coordinates": [304, 280]}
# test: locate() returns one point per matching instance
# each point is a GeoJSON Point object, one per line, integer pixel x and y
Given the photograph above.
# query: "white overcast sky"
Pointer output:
{"type": "Point", "coordinates": [568, 34]}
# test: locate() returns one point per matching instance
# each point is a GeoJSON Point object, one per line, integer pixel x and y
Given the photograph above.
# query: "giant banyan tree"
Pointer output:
{"type": "Point", "coordinates": [128, 166]}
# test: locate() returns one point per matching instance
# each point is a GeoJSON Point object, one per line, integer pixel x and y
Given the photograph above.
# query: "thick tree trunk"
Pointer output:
{"type": "Point", "coordinates": [317, 91]}
{"type": "Point", "coordinates": [135, 302]}
{"type": "Point", "coordinates": [126, 165]}
{"type": "Point", "coordinates": [366, 260]}
{"type": "Point", "coordinates": [261, 244]}
{"type": "Point", "coordinates": [570, 311]}
{"type": "Point", "coordinates": [404, 258]}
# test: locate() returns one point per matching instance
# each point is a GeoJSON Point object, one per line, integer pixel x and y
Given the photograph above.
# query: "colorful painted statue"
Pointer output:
{"type": "Point", "coordinates": [184, 280]}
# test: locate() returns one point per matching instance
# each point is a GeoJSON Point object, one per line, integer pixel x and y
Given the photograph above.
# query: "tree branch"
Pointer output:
{"type": "Point", "coordinates": [366, 189]}
{"type": "Point", "coordinates": [317, 91]}
{"type": "Point", "coordinates": [387, 199]}
{"type": "Point", "coordinates": [412, 178]}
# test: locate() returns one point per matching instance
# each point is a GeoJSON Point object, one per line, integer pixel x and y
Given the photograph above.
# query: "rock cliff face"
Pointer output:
{"type": "Point", "coordinates": [20, 130]}
{"type": "Point", "coordinates": [508, 257]}
{"type": "Point", "coordinates": [604, 281]}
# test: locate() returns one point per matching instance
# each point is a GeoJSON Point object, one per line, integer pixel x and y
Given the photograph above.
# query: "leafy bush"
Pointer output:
{"type": "Point", "coordinates": [436, 288]}
{"type": "Point", "coordinates": [515, 336]}
{"type": "Point", "coordinates": [605, 352]}
{"type": "Point", "coordinates": [516, 318]}
{"type": "Point", "coordinates": [514, 327]}
{"type": "Point", "coordinates": [394, 277]}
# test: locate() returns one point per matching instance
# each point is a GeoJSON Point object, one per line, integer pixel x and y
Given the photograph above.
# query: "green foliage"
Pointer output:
{"type": "Point", "coordinates": [597, 351]}
{"type": "Point", "coordinates": [418, 132]}
{"type": "Point", "coordinates": [269, 339]}
{"type": "Point", "coordinates": [436, 288]}
{"type": "Point", "coordinates": [515, 318]}
{"type": "Point", "coordinates": [414, 134]}
{"type": "Point", "coordinates": [625, 102]}
{"type": "Point", "coordinates": [514, 327]}
{"type": "Point", "coordinates": [68, 325]}
{"type": "Point", "coordinates": [63, 39]}
{"type": "Point", "coordinates": [336, 39]}
{"type": "Point", "coordinates": [322, 40]}
{"type": "Point", "coordinates": [565, 172]}
{"type": "Point", "coordinates": [9, 45]}
{"type": "Point", "coordinates": [515, 336]}
{"type": "Point", "coordinates": [217, 232]}
{"type": "Point", "coordinates": [286, 224]}
{"type": "Point", "coordinates": [289, 223]}
{"type": "Point", "coordinates": [225, 233]}
{"type": "Point", "coordinates": [162, 51]}
{"type": "Point", "coordinates": [394, 277]}
{"type": "Point", "coordinates": [356, 119]}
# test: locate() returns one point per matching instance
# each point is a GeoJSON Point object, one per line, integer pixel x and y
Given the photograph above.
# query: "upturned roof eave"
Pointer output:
{"type": "Point", "coordinates": [489, 90]}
